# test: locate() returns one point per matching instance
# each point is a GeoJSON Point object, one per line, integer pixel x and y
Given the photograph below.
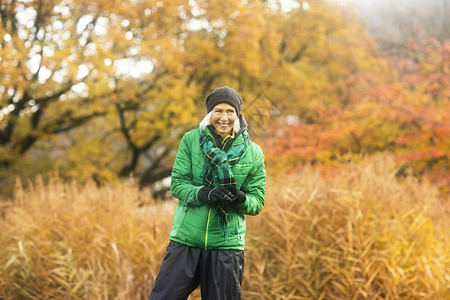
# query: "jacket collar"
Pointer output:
{"type": "Point", "coordinates": [229, 140]}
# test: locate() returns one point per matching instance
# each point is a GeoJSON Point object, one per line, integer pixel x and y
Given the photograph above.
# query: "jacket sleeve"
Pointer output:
{"type": "Point", "coordinates": [182, 185]}
{"type": "Point", "coordinates": [254, 187]}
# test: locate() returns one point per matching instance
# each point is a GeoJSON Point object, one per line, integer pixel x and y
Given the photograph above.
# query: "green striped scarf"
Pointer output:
{"type": "Point", "coordinates": [217, 171]}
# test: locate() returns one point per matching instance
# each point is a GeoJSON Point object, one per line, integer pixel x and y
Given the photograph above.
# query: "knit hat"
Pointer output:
{"type": "Point", "coordinates": [224, 95]}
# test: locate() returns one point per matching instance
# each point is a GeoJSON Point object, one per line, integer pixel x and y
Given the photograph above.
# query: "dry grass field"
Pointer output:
{"type": "Point", "coordinates": [361, 234]}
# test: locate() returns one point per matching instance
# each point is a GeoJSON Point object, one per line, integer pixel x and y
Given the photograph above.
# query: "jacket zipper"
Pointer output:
{"type": "Point", "coordinates": [207, 227]}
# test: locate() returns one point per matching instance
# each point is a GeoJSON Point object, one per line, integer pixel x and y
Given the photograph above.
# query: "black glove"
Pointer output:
{"type": "Point", "coordinates": [215, 196]}
{"type": "Point", "coordinates": [238, 195]}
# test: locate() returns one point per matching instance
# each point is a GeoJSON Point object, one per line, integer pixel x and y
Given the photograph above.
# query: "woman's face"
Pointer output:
{"type": "Point", "coordinates": [222, 118]}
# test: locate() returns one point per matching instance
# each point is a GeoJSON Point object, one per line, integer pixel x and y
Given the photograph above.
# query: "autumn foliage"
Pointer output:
{"type": "Point", "coordinates": [104, 90]}
{"type": "Point", "coordinates": [406, 114]}
{"type": "Point", "coordinates": [101, 92]}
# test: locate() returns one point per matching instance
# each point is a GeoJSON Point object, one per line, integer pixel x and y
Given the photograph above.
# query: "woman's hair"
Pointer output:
{"type": "Point", "coordinates": [207, 120]}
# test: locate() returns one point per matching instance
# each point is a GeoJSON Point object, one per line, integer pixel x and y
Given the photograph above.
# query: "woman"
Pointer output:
{"type": "Point", "coordinates": [218, 178]}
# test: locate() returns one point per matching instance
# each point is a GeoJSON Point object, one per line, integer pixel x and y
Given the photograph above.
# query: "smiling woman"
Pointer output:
{"type": "Point", "coordinates": [215, 193]}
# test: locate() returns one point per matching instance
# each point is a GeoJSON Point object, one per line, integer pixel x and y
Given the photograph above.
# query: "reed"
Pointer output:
{"type": "Point", "coordinates": [360, 234]}
{"type": "Point", "coordinates": [69, 241]}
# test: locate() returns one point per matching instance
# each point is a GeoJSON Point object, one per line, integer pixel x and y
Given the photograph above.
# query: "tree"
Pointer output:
{"type": "Point", "coordinates": [105, 89]}
{"type": "Point", "coordinates": [61, 66]}
{"type": "Point", "coordinates": [41, 67]}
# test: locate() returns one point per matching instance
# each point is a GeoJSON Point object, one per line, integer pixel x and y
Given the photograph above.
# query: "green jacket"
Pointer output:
{"type": "Point", "coordinates": [195, 224]}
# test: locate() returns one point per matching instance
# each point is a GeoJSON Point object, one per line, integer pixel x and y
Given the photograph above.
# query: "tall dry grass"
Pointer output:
{"type": "Point", "coordinates": [359, 235]}
{"type": "Point", "coordinates": [66, 241]}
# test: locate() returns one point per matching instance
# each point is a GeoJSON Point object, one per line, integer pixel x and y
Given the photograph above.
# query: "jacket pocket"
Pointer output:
{"type": "Point", "coordinates": [241, 169]}
{"type": "Point", "coordinates": [237, 223]}
{"type": "Point", "coordinates": [184, 212]}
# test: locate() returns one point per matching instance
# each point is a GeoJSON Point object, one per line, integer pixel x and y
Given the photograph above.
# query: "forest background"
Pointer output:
{"type": "Point", "coordinates": [102, 91]}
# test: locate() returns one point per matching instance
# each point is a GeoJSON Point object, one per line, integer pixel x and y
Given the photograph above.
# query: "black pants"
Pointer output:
{"type": "Point", "coordinates": [218, 272]}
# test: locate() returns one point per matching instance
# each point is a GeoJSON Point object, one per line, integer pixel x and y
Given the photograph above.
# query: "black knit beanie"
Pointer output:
{"type": "Point", "coordinates": [224, 95]}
